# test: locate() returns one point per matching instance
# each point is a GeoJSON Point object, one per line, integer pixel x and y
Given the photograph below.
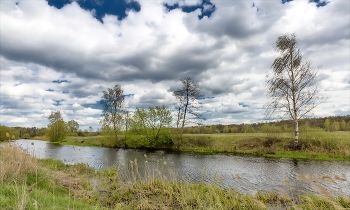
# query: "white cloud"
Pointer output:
{"type": "Point", "coordinates": [148, 51]}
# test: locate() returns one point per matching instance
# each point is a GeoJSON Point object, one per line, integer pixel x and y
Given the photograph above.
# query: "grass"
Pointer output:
{"type": "Point", "coordinates": [318, 145]}
{"type": "Point", "coordinates": [96, 141]}
{"type": "Point", "coordinates": [155, 191]}
{"type": "Point", "coordinates": [28, 183]}
{"type": "Point", "coordinates": [312, 145]}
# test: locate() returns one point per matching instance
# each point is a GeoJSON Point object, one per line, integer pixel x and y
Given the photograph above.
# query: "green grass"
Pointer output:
{"type": "Point", "coordinates": [315, 144]}
{"type": "Point", "coordinates": [27, 183]}
{"type": "Point", "coordinates": [50, 184]}
{"type": "Point", "coordinates": [304, 155]}
{"type": "Point", "coordinates": [159, 192]}
{"type": "Point", "coordinates": [95, 141]}
{"type": "Point", "coordinates": [312, 145]}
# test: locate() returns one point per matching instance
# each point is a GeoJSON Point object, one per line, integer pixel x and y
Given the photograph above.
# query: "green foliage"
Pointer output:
{"type": "Point", "coordinates": [7, 133]}
{"type": "Point", "coordinates": [267, 128]}
{"type": "Point", "coordinates": [137, 141]}
{"type": "Point", "coordinates": [113, 113]}
{"type": "Point", "coordinates": [327, 124]}
{"type": "Point", "coordinates": [57, 128]}
{"type": "Point", "coordinates": [72, 126]}
{"type": "Point", "coordinates": [72, 134]}
{"type": "Point", "coordinates": [335, 126]}
{"type": "Point", "coordinates": [150, 128]}
{"type": "Point", "coordinates": [26, 136]}
{"type": "Point", "coordinates": [343, 125]}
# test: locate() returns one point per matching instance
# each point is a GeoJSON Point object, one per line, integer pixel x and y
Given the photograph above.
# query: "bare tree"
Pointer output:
{"type": "Point", "coordinates": [187, 97]}
{"type": "Point", "coordinates": [292, 85]}
{"type": "Point", "coordinates": [113, 111]}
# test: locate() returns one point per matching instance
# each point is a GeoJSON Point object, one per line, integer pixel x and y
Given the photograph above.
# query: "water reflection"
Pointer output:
{"type": "Point", "coordinates": [245, 173]}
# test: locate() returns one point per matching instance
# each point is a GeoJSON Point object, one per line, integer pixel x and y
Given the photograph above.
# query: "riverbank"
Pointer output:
{"type": "Point", "coordinates": [28, 183]}
{"type": "Point", "coordinates": [315, 145]}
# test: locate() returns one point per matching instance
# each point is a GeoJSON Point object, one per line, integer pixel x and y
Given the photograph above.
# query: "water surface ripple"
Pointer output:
{"type": "Point", "coordinates": [247, 174]}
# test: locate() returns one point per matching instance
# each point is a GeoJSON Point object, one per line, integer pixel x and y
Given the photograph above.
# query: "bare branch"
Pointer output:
{"type": "Point", "coordinates": [292, 87]}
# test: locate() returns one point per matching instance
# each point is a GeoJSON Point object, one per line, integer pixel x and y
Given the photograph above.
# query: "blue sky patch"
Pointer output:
{"type": "Point", "coordinates": [93, 106]}
{"type": "Point", "coordinates": [60, 81]}
{"type": "Point", "coordinates": [101, 8]}
{"type": "Point", "coordinates": [285, 1]}
{"type": "Point", "coordinates": [319, 3]}
{"type": "Point", "coordinates": [57, 102]}
{"type": "Point", "coordinates": [206, 7]}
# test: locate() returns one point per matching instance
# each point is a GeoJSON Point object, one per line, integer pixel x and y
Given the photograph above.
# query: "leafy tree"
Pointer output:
{"type": "Point", "coordinates": [227, 129]}
{"type": "Point", "coordinates": [90, 130]}
{"type": "Point", "coordinates": [113, 113]}
{"type": "Point", "coordinates": [326, 125]}
{"type": "Point", "coordinates": [292, 85]}
{"type": "Point", "coordinates": [7, 133]}
{"type": "Point", "coordinates": [343, 125]}
{"type": "Point", "coordinates": [72, 126]}
{"type": "Point", "coordinates": [213, 129]}
{"type": "Point", "coordinates": [187, 97]}
{"type": "Point", "coordinates": [335, 126]}
{"type": "Point", "coordinates": [57, 128]}
{"type": "Point", "coordinates": [348, 126]}
{"type": "Point", "coordinates": [153, 124]}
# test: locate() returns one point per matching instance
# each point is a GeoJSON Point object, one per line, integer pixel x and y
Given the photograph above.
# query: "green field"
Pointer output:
{"type": "Point", "coordinates": [312, 145]}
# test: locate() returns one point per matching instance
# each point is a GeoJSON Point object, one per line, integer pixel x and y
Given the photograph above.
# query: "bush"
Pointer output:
{"type": "Point", "coordinates": [26, 136]}
{"type": "Point", "coordinates": [137, 141]}
{"type": "Point", "coordinates": [7, 133]}
{"type": "Point", "coordinates": [81, 133]}
{"type": "Point", "coordinates": [74, 134]}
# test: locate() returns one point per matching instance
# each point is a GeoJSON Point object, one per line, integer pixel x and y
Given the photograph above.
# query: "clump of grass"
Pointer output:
{"type": "Point", "coordinates": [14, 162]}
{"type": "Point", "coordinates": [24, 184]}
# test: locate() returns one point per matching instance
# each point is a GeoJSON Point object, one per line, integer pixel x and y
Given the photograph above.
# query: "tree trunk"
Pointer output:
{"type": "Point", "coordinates": [296, 134]}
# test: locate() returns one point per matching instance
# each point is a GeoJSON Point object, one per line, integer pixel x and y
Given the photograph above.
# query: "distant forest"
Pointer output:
{"type": "Point", "coordinates": [332, 123]}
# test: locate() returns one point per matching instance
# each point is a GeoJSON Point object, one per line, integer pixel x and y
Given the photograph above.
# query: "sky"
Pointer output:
{"type": "Point", "coordinates": [62, 55]}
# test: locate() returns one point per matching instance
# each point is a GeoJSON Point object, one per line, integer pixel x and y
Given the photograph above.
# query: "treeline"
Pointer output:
{"type": "Point", "coordinates": [332, 123]}
{"type": "Point", "coordinates": [147, 126]}
{"type": "Point", "coordinates": [57, 130]}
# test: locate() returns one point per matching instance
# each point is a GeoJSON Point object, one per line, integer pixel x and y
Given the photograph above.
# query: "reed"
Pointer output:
{"type": "Point", "coordinates": [50, 184]}
{"type": "Point", "coordinates": [25, 184]}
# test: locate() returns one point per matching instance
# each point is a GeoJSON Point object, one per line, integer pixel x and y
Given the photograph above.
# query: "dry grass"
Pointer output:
{"type": "Point", "coordinates": [14, 162]}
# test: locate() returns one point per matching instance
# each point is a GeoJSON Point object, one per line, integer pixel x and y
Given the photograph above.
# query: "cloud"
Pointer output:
{"type": "Point", "coordinates": [233, 109]}
{"type": "Point", "coordinates": [50, 55]}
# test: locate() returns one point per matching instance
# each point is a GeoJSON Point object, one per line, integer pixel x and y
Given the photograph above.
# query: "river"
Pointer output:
{"type": "Point", "coordinates": [247, 174]}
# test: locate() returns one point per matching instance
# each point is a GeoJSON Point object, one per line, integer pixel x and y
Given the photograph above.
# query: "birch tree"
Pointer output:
{"type": "Point", "coordinates": [113, 112]}
{"type": "Point", "coordinates": [187, 97]}
{"type": "Point", "coordinates": [292, 86]}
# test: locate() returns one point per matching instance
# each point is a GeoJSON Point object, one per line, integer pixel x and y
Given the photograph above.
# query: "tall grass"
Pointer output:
{"type": "Point", "coordinates": [156, 190]}
{"type": "Point", "coordinates": [14, 162]}
{"type": "Point", "coordinates": [25, 184]}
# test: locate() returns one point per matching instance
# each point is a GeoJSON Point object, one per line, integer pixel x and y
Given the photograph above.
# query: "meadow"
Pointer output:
{"type": "Point", "coordinates": [318, 144]}
{"type": "Point", "coordinates": [29, 183]}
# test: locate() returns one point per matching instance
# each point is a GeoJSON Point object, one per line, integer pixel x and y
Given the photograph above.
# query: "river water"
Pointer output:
{"type": "Point", "coordinates": [247, 174]}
